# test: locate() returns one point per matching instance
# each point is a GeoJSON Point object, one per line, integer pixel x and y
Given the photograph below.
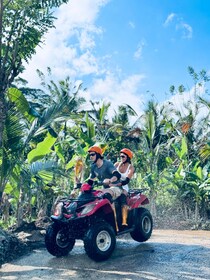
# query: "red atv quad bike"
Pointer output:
{"type": "Point", "coordinates": [90, 218]}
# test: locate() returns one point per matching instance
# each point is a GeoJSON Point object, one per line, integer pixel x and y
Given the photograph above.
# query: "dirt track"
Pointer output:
{"type": "Point", "coordinates": [168, 255]}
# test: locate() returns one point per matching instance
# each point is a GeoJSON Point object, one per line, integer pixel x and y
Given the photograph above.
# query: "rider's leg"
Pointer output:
{"type": "Point", "coordinates": [115, 216]}
{"type": "Point", "coordinates": [110, 194]}
{"type": "Point", "coordinates": [124, 206]}
{"type": "Point", "coordinates": [116, 192]}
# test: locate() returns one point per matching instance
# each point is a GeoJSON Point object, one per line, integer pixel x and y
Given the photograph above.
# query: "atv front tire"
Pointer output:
{"type": "Point", "coordinates": [100, 241]}
{"type": "Point", "coordinates": [143, 225]}
{"type": "Point", "coordinates": [57, 241]}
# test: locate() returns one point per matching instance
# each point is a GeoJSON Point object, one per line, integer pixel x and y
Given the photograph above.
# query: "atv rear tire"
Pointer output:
{"type": "Point", "coordinates": [57, 241]}
{"type": "Point", "coordinates": [143, 225]}
{"type": "Point", "coordinates": [100, 241]}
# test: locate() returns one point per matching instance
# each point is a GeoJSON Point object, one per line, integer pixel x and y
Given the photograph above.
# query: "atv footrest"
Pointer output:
{"type": "Point", "coordinates": [125, 231]}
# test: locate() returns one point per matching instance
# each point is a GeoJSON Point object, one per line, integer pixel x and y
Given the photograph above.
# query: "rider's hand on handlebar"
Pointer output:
{"type": "Point", "coordinates": [106, 182]}
{"type": "Point", "coordinates": [115, 184]}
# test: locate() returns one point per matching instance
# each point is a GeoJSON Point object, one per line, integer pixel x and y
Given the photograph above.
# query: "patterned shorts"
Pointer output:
{"type": "Point", "coordinates": [116, 192]}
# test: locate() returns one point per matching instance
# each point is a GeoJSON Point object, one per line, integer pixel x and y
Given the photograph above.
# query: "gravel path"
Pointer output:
{"type": "Point", "coordinates": [168, 255]}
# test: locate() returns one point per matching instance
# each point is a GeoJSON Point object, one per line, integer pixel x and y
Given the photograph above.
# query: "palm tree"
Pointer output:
{"type": "Point", "coordinates": [36, 133]}
{"type": "Point", "coordinates": [190, 134]}
{"type": "Point", "coordinates": [152, 150]}
{"type": "Point", "coordinates": [18, 40]}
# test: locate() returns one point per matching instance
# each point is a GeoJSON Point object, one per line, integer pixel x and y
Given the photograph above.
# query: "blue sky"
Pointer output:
{"type": "Point", "coordinates": [124, 51]}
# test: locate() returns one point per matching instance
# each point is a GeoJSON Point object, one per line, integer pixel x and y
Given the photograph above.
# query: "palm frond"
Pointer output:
{"type": "Point", "coordinates": [14, 130]}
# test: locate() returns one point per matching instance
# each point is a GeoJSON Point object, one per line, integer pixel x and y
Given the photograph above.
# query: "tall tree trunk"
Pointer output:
{"type": "Point", "coordinates": [186, 215]}
{"type": "Point", "coordinates": [2, 117]}
{"type": "Point", "coordinates": [20, 206]}
{"type": "Point", "coordinates": [5, 208]}
{"type": "Point", "coordinates": [2, 123]}
{"type": "Point", "coordinates": [153, 205]}
{"type": "Point", "coordinates": [1, 27]}
{"type": "Point", "coordinates": [2, 106]}
{"type": "Point", "coordinates": [196, 211]}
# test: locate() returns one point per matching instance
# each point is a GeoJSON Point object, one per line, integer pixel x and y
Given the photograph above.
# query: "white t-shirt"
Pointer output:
{"type": "Point", "coordinates": [123, 176]}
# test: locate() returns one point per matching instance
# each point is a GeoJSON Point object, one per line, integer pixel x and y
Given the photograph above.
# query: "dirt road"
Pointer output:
{"type": "Point", "coordinates": [168, 255]}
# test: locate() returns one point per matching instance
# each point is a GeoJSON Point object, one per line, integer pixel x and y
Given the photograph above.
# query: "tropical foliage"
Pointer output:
{"type": "Point", "coordinates": [45, 134]}
{"type": "Point", "coordinates": [22, 26]}
{"type": "Point", "coordinates": [43, 144]}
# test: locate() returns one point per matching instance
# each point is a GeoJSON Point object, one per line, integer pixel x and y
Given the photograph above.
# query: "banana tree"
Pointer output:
{"type": "Point", "coordinates": [190, 124]}
{"type": "Point", "coordinates": [15, 166]}
{"type": "Point", "coordinates": [191, 177]}
{"type": "Point", "coordinates": [38, 135]}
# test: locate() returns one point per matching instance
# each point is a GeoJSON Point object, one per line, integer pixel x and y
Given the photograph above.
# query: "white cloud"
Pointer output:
{"type": "Point", "coordinates": [188, 101]}
{"type": "Point", "coordinates": [132, 24]}
{"type": "Point", "coordinates": [110, 89]}
{"type": "Point", "coordinates": [69, 50]}
{"type": "Point", "coordinates": [67, 47]}
{"type": "Point", "coordinates": [138, 52]}
{"type": "Point", "coordinates": [179, 24]}
{"type": "Point", "coordinates": [169, 19]}
{"type": "Point", "coordinates": [186, 29]}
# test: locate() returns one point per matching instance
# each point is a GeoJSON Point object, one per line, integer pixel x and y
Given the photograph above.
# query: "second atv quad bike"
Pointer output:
{"type": "Point", "coordinates": [91, 218]}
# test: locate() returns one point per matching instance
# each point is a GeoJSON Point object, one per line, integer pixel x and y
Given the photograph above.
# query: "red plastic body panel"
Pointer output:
{"type": "Point", "coordinates": [137, 200]}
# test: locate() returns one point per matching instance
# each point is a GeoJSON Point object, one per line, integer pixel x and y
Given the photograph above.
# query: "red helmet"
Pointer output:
{"type": "Point", "coordinates": [85, 187]}
{"type": "Point", "coordinates": [128, 152]}
{"type": "Point", "coordinates": [95, 149]}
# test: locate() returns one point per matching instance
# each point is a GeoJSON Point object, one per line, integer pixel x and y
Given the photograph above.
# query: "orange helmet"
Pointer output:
{"type": "Point", "coordinates": [95, 149]}
{"type": "Point", "coordinates": [128, 152]}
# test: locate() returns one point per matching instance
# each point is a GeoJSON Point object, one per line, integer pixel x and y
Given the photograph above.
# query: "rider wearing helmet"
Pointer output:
{"type": "Point", "coordinates": [126, 169]}
{"type": "Point", "coordinates": [105, 171]}
{"type": "Point", "coordinates": [101, 169]}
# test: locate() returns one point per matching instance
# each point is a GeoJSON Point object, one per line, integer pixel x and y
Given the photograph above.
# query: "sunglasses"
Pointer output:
{"type": "Point", "coordinates": [92, 155]}
{"type": "Point", "coordinates": [123, 156]}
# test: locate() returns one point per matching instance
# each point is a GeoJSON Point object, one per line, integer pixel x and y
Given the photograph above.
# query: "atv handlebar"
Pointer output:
{"type": "Point", "coordinates": [99, 183]}
{"type": "Point", "coordinates": [136, 191]}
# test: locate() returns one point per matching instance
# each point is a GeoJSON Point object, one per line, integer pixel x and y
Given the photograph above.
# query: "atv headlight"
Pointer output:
{"type": "Point", "coordinates": [87, 209]}
{"type": "Point", "coordinates": [58, 209]}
